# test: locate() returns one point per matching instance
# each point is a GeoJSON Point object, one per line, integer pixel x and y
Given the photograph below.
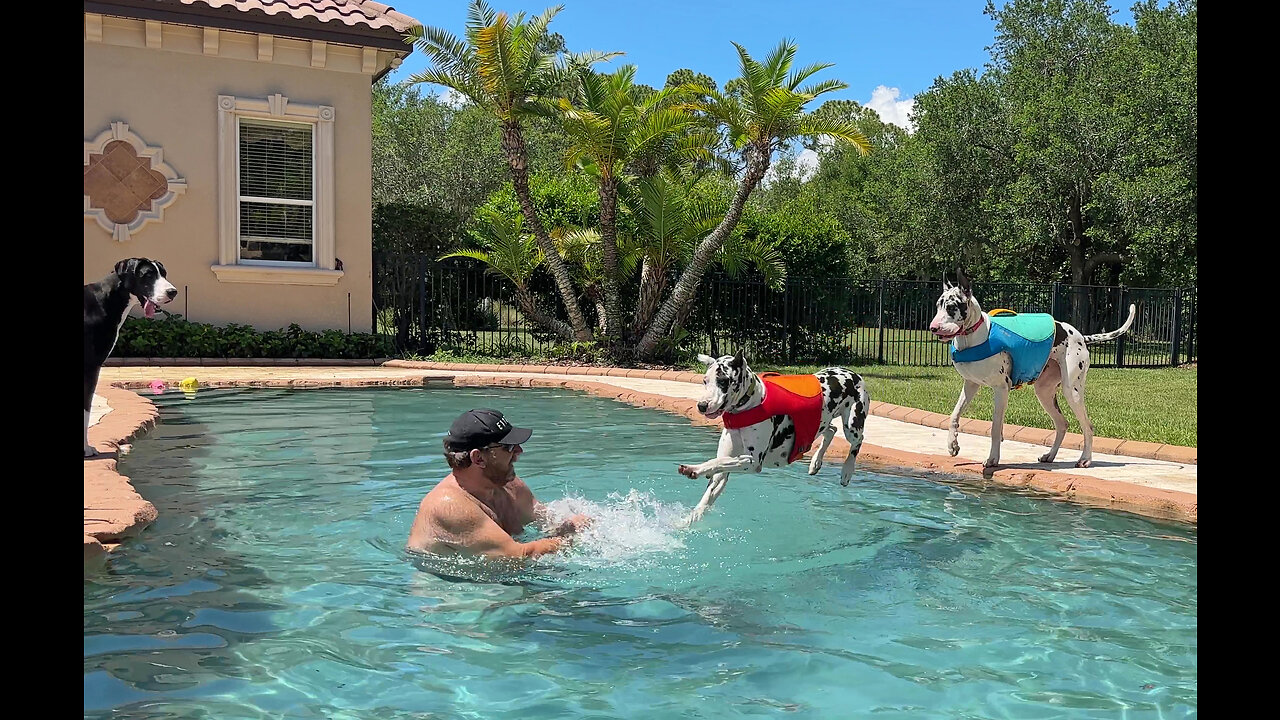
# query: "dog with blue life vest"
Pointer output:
{"type": "Point", "coordinates": [1005, 351]}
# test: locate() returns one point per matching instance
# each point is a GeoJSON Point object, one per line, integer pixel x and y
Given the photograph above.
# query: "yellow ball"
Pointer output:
{"type": "Point", "coordinates": [189, 383]}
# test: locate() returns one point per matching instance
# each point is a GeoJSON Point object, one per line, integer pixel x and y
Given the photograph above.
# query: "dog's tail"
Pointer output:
{"type": "Point", "coordinates": [1103, 337]}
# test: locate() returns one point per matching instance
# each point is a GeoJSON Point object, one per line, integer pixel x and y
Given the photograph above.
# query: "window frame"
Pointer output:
{"type": "Point", "coordinates": [277, 108]}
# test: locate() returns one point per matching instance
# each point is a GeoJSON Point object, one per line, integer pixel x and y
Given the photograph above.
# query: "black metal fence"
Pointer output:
{"type": "Point", "coordinates": [425, 306]}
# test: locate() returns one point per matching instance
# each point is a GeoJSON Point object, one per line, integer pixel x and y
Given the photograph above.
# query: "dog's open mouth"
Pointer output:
{"type": "Point", "coordinates": [148, 308]}
{"type": "Point", "coordinates": [713, 415]}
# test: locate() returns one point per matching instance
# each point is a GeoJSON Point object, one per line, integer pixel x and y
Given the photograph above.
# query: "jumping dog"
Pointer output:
{"type": "Point", "coordinates": [106, 305]}
{"type": "Point", "coordinates": [756, 435]}
{"type": "Point", "coordinates": [960, 319]}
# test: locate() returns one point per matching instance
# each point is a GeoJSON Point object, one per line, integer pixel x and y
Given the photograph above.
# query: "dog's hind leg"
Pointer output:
{"type": "Point", "coordinates": [1077, 365]}
{"type": "Point", "coordinates": [828, 432]}
{"type": "Point", "coordinates": [854, 423]}
{"type": "Point", "coordinates": [1046, 387]}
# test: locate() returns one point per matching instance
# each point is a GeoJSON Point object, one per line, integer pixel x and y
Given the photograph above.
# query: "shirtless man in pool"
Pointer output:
{"type": "Point", "coordinates": [481, 506]}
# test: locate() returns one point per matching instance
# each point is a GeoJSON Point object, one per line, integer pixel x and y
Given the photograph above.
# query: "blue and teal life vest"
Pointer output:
{"type": "Point", "coordinates": [1028, 338]}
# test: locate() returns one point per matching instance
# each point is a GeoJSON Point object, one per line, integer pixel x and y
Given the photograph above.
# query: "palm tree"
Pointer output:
{"type": "Point", "coordinates": [671, 219]}
{"type": "Point", "coordinates": [615, 123]}
{"type": "Point", "coordinates": [513, 254]}
{"type": "Point", "coordinates": [582, 249]}
{"type": "Point", "coordinates": [761, 111]}
{"type": "Point", "coordinates": [508, 67]}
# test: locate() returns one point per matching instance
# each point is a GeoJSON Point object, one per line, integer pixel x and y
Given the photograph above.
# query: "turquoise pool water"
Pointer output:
{"type": "Point", "coordinates": [273, 584]}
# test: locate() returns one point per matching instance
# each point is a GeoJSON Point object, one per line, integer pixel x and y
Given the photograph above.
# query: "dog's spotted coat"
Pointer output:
{"type": "Point", "coordinates": [730, 386]}
{"type": "Point", "coordinates": [960, 318]}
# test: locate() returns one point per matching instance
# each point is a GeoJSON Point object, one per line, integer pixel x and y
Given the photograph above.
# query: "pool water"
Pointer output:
{"type": "Point", "coordinates": [274, 584]}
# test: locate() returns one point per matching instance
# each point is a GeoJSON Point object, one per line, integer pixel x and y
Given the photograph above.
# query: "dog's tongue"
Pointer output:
{"type": "Point", "coordinates": [149, 309]}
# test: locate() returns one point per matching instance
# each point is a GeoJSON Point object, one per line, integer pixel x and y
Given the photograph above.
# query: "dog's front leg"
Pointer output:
{"type": "Point", "coordinates": [967, 393]}
{"type": "Point", "coordinates": [999, 401]}
{"type": "Point", "coordinates": [718, 465]}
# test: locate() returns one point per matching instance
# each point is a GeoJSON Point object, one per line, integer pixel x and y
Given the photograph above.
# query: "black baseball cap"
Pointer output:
{"type": "Point", "coordinates": [477, 428]}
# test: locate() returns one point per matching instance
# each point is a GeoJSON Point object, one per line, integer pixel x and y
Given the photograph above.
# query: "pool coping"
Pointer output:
{"type": "Point", "coordinates": [115, 511]}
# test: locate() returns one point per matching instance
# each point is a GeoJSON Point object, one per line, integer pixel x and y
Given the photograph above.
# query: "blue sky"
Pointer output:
{"type": "Point", "coordinates": [887, 51]}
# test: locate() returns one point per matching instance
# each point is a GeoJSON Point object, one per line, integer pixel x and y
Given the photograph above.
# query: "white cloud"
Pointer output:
{"type": "Point", "coordinates": [884, 100]}
{"type": "Point", "coordinates": [807, 163]}
{"type": "Point", "coordinates": [453, 98]}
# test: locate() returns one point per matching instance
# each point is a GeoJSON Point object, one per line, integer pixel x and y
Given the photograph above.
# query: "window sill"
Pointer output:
{"type": "Point", "coordinates": [276, 275]}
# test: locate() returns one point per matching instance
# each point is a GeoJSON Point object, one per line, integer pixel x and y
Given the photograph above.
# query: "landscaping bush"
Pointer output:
{"type": "Point", "coordinates": [174, 336]}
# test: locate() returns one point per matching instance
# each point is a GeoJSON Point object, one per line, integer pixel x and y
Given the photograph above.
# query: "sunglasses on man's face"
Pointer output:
{"type": "Point", "coordinates": [509, 447]}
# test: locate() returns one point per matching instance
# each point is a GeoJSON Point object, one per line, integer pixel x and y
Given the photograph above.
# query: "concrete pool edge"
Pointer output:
{"type": "Point", "coordinates": [119, 512]}
{"type": "Point", "coordinates": [1039, 436]}
{"type": "Point", "coordinates": [113, 509]}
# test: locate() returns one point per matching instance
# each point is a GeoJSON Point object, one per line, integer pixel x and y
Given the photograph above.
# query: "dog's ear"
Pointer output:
{"type": "Point", "coordinates": [738, 362]}
{"type": "Point", "coordinates": [706, 359]}
{"type": "Point", "coordinates": [126, 267]}
{"type": "Point", "coordinates": [965, 284]}
{"type": "Point", "coordinates": [160, 266]}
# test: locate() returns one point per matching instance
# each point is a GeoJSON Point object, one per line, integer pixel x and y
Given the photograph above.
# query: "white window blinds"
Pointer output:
{"type": "Point", "coordinates": [277, 192]}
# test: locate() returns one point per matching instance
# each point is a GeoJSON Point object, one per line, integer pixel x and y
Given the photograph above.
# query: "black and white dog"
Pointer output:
{"type": "Point", "coordinates": [961, 319]}
{"type": "Point", "coordinates": [732, 390]}
{"type": "Point", "coordinates": [106, 305]}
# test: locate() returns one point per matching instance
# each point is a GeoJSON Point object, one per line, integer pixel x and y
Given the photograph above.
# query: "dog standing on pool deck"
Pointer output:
{"type": "Point", "coordinates": [732, 390]}
{"type": "Point", "coordinates": [106, 305]}
{"type": "Point", "coordinates": [962, 320]}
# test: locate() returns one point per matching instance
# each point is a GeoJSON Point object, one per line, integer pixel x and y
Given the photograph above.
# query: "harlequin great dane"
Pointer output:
{"type": "Point", "coordinates": [106, 305]}
{"type": "Point", "coordinates": [962, 321]}
{"type": "Point", "coordinates": [771, 420]}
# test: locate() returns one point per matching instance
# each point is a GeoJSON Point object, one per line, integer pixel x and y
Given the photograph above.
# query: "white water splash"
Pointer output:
{"type": "Point", "coordinates": [624, 527]}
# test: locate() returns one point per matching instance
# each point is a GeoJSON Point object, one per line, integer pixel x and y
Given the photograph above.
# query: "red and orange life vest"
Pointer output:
{"type": "Point", "coordinates": [798, 396]}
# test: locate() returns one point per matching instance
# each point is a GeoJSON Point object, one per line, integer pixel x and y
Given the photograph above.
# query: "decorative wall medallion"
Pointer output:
{"type": "Point", "coordinates": [127, 184]}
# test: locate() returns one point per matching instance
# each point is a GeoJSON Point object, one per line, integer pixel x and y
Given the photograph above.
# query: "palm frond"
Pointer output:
{"type": "Point", "coordinates": [802, 74]}
{"type": "Point", "coordinates": [814, 125]}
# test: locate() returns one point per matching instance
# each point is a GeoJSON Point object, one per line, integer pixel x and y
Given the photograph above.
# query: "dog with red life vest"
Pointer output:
{"type": "Point", "coordinates": [770, 420]}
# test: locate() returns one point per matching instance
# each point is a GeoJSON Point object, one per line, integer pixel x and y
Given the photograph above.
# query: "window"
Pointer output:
{"type": "Point", "coordinates": [277, 197]}
{"type": "Point", "coordinates": [276, 192]}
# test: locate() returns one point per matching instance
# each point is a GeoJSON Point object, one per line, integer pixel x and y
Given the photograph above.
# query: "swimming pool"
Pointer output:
{"type": "Point", "coordinates": [273, 583]}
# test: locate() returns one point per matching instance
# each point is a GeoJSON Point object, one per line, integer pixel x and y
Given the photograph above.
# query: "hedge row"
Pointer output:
{"type": "Point", "coordinates": [174, 336]}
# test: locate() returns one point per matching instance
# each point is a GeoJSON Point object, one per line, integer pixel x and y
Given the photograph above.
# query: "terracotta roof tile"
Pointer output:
{"type": "Point", "coordinates": [353, 13]}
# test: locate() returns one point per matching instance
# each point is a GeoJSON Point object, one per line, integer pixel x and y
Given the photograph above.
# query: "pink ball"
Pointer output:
{"type": "Point", "coordinates": [157, 387]}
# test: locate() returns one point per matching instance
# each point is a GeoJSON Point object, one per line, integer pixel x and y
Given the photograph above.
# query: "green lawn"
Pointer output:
{"type": "Point", "coordinates": [1154, 405]}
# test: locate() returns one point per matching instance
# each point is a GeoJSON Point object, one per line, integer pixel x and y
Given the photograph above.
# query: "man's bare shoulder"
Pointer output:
{"type": "Point", "coordinates": [447, 504]}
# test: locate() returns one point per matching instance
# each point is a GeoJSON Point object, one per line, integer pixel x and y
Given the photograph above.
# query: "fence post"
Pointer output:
{"type": "Point", "coordinates": [880, 323]}
{"type": "Point", "coordinates": [1192, 351]}
{"type": "Point", "coordinates": [422, 304]}
{"type": "Point", "coordinates": [1120, 317]}
{"type": "Point", "coordinates": [1177, 326]}
{"type": "Point", "coordinates": [1053, 301]}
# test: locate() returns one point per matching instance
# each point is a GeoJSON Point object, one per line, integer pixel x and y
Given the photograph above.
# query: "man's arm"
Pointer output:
{"type": "Point", "coordinates": [468, 531]}
{"type": "Point", "coordinates": [533, 511]}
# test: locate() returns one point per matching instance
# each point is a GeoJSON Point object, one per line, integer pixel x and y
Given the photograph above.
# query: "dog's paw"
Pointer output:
{"type": "Point", "coordinates": [688, 471]}
{"type": "Point", "coordinates": [1082, 463]}
{"type": "Point", "coordinates": [814, 468]}
{"type": "Point", "coordinates": [1048, 457]}
{"type": "Point", "coordinates": [90, 451]}
{"type": "Point", "coordinates": [991, 461]}
{"type": "Point", "coordinates": [954, 448]}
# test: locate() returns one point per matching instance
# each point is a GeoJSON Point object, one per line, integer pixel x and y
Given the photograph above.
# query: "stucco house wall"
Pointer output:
{"type": "Point", "coordinates": [164, 80]}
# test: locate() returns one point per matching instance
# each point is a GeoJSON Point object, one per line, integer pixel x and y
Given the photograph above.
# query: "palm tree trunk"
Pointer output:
{"type": "Point", "coordinates": [517, 158]}
{"type": "Point", "coordinates": [529, 306]}
{"type": "Point", "coordinates": [653, 283]}
{"type": "Point", "coordinates": [687, 286]}
{"type": "Point", "coordinates": [609, 250]}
